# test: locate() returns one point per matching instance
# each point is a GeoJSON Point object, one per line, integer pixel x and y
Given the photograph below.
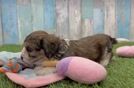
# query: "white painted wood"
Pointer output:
{"type": "Point", "coordinates": [62, 18]}
{"type": "Point", "coordinates": [110, 18]}
{"type": "Point", "coordinates": [74, 19]}
{"type": "Point", "coordinates": [87, 27]}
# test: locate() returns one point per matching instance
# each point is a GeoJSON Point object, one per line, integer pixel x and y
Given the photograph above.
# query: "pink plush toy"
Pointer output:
{"type": "Point", "coordinates": [78, 69]}
{"type": "Point", "coordinates": [125, 51]}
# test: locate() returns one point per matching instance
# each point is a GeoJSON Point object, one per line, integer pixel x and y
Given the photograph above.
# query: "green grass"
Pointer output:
{"type": "Point", "coordinates": [120, 73]}
{"type": "Point", "coordinates": [11, 48]}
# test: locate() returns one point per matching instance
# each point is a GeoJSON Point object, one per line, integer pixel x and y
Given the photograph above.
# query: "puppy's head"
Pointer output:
{"type": "Point", "coordinates": [41, 44]}
{"type": "Point", "coordinates": [33, 44]}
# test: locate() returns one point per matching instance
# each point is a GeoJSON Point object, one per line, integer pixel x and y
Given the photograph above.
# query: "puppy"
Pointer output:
{"type": "Point", "coordinates": [97, 47]}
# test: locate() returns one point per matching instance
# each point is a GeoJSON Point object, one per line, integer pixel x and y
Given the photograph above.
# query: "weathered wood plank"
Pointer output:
{"type": "Point", "coordinates": [37, 14]}
{"type": "Point", "coordinates": [87, 18]}
{"type": "Point", "coordinates": [50, 15]}
{"type": "Point", "coordinates": [132, 21]}
{"type": "Point", "coordinates": [9, 22]}
{"type": "Point", "coordinates": [110, 18]}
{"type": "Point", "coordinates": [87, 27]}
{"type": "Point", "coordinates": [74, 19]}
{"type": "Point", "coordinates": [24, 18]}
{"type": "Point", "coordinates": [62, 18]}
{"type": "Point", "coordinates": [1, 35]}
{"type": "Point", "coordinates": [98, 16]}
{"type": "Point", "coordinates": [123, 18]}
{"type": "Point", "coordinates": [87, 9]}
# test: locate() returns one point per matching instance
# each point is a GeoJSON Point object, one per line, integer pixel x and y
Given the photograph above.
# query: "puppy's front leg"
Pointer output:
{"type": "Point", "coordinates": [106, 57]}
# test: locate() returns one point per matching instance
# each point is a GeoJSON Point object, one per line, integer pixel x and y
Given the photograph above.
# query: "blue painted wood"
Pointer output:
{"type": "Point", "coordinates": [9, 21]}
{"type": "Point", "coordinates": [98, 16]}
{"type": "Point", "coordinates": [25, 18]}
{"type": "Point", "coordinates": [37, 14]}
{"type": "Point", "coordinates": [132, 21]}
{"type": "Point", "coordinates": [87, 9]}
{"type": "Point", "coordinates": [50, 15]}
{"type": "Point", "coordinates": [87, 18]}
{"type": "Point", "coordinates": [1, 37]}
{"type": "Point", "coordinates": [123, 17]}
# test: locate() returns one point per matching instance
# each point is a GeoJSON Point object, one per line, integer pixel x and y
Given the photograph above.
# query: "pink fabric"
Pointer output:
{"type": "Point", "coordinates": [78, 69]}
{"type": "Point", "coordinates": [62, 65]}
{"type": "Point", "coordinates": [35, 82]}
{"type": "Point", "coordinates": [85, 71]}
{"type": "Point", "coordinates": [125, 51]}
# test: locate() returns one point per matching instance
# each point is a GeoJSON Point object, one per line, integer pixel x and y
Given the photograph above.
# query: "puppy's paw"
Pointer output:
{"type": "Point", "coordinates": [40, 71]}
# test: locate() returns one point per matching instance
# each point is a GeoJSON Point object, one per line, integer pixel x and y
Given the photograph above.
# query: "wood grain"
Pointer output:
{"type": "Point", "coordinates": [37, 14]}
{"type": "Point", "coordinates": [62, 18]}
{"type": "Point", "coordinates": [50, 15]}
{"type": "Point", "coordinates": [9, 22]}
{"type": "Point", "coordinates": [69, 19]}
{"type": "Point", "coordinates": [74, 19]}
{"type": "Point", "coordinates": [123, 18]}
{"type": "Point", "coordinates": [24, 18]}
{"type": "Point", "coordinates": [98, 16]}
{"type": "Point", "coordinates": [1, 35]}
{"type": "Point", "coordinates": [87, 18]}
{"type": "Point", "coordinates": [110, 18]}
{"type": "Point", "coordinates": [132, 21]}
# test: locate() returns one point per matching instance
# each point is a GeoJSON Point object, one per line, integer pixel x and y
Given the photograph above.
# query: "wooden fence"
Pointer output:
{"type": "Point", "coordinates": [70, 19]}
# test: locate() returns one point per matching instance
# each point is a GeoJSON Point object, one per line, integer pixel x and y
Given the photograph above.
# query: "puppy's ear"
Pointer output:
{"type": "Point", "coordinates": [50, 45]}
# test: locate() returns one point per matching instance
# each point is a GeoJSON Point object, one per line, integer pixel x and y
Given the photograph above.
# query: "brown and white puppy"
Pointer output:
{"type": "Point", "coordinates": [97, 47]}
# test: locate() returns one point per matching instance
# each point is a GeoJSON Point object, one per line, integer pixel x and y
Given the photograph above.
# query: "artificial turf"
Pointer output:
{"type": "Point", "coordinates": [120, 73]}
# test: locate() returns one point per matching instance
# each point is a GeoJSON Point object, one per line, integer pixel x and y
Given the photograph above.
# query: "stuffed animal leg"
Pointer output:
{"type": "Point", "coordinates": [11, 66]}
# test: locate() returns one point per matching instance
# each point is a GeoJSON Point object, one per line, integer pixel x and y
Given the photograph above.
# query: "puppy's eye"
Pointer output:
{"type": "Point", "coordinates": [29, 49]}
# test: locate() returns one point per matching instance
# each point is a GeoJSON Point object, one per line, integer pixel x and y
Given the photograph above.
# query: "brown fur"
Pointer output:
{"type": "Point", "coordinates": [33, 44]}
{"type": "Point", "coordinates": [97, 47]}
